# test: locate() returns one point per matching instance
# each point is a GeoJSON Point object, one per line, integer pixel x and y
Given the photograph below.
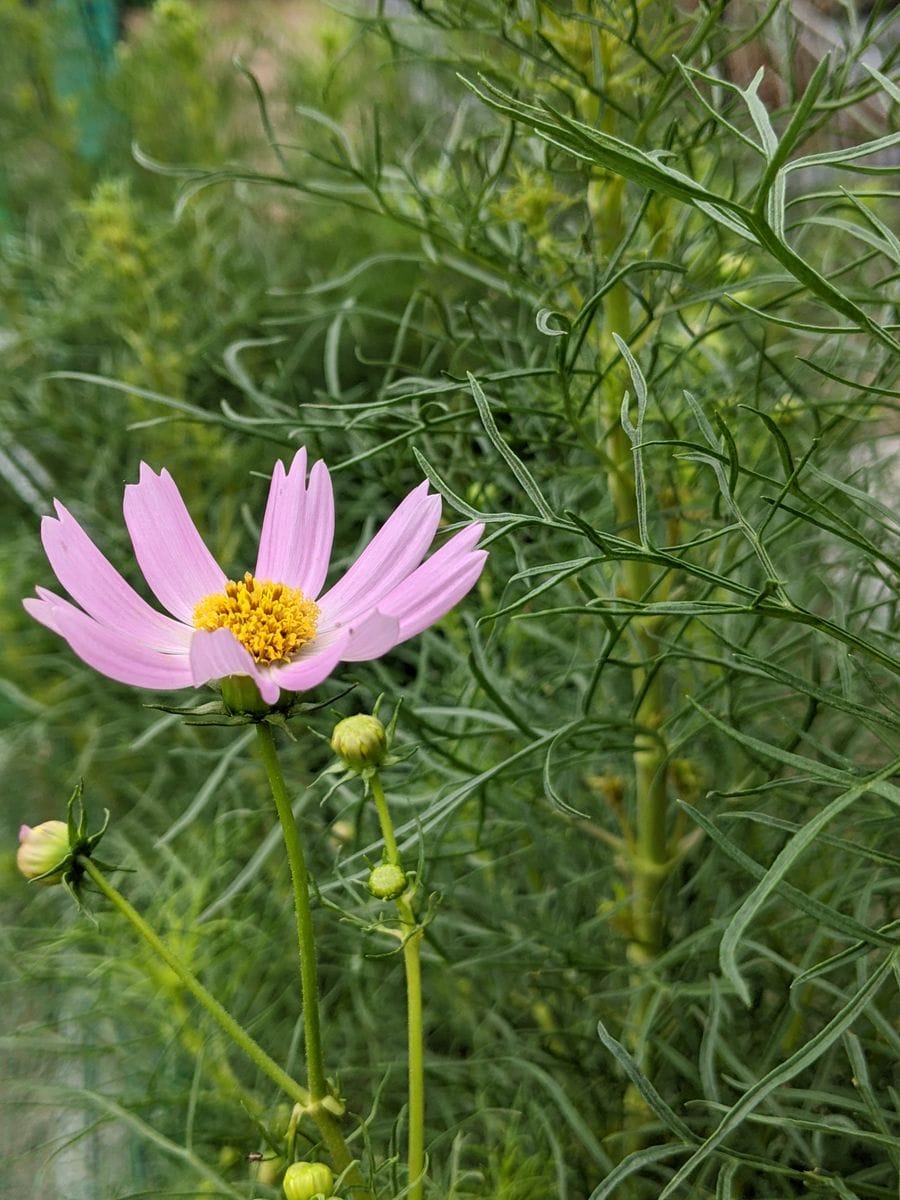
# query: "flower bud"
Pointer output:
{"type": "Point", "coordinates": [387, 882]}
{"type": "Point", "coordinates": [41, 849]}
{"type": "Point", "coordinates": [304, 1180]}
{"type": "Point", "coordinates": [360, 741]}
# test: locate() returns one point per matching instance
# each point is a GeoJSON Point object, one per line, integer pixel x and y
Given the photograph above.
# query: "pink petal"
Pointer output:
{"type": "Point", "coordinates": [438, 584]}
{"type": "Point", "coordinates": [318, 533]}
{"type": "Point", "coordinates": [89, 577]}
{"type": "Point", "coordinates": [393, 552]}
{"type": "Point", "coordinates": [42, 608]}
{"type": "Point", "coordinates": [298, 528]}
{"type": "Point", "coordinates": [175, 562]}
{"type": "Point", "coordinates": [217, 653]}
{"type": "Point", "coordinates": [110, 652]}
{"type": "Point", "coordinates": [372, 637]}
{"type": "Point", "coordinates": [310, 669]}
{"type": "Point", "coordinates": [283, 521]}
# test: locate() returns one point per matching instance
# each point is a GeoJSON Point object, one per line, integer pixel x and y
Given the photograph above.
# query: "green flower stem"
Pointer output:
{"type": "Point", "coordinates": [384, 820]}
{"type": "Point", "coordinates": [305, 937]}
{"type": "Point", "coordinates": [319, 1097]}
{"type": "Point", "coordinates": [412, 944]}
{"type": "Point", "coordinates": [415, 1053]}
{"type": "Point", "coordinates": [220, 1015]}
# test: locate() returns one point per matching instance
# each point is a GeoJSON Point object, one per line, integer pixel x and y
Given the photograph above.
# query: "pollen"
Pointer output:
{"type": "Point", "coordinates": [272, 620]}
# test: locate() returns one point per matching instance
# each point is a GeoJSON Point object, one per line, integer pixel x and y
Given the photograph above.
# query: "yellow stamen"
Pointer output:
{"type": "Point", "coordinates": [273, 621]}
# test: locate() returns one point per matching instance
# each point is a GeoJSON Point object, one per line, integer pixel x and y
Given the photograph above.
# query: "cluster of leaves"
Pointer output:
{"type": "Point", "coordinates": [639, 320]}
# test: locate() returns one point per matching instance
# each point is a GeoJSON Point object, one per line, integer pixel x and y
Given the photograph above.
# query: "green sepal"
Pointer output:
{"type": "Point", "coordinates": [297, 708]}
{"type": "Point", "coordinates": [75, 893]}
{"type": "Point", "coordinates": [280, 721]}
{"type": "Point", "coordinates": [64, 862]}
{"type": "Point", "coordinates": [81, 845]}
{"type": "Point", "coordinates": [76, 831]}
{"type": "Point", "coordinates": [92, 839]}
{"type": "Point", "coordinates": [217, 712]}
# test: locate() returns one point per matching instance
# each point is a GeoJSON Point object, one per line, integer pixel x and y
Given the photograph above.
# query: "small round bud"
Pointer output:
{"type": "Point", "coordinates": [43, 848]}
{"type": "Point", "coordinates": [304, 1180]}
{"type": "Point", "coordinates": [387, 882]}
{"type": "Point", "coordinates": [360, 741]}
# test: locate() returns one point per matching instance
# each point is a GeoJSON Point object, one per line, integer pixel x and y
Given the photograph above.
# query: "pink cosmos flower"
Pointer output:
{"type": "Point", "coordinates": [275, 626]}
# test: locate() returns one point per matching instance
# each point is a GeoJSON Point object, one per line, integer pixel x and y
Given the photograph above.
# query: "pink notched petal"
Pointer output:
{"type": "Point", "coordinates": [283, 521]}
{"type": "Point", "coordinates": [393, 552]}
{"type": "Point", "coordinates": [42, 608]}
{"type": "Point", "coordinates": [112, 653]}
{"type": "Point", "coordinates": [216, 654]}
{"type": "Point", "coordinates": [438, 584]}
{"type": "Point", "coordinates": [91, 580]}
{"type": "Point", "coordinates": [298, 527]}
{"type": "Point", "coordinates": [318, 533]}
{"type": "Point", "coordinates": [170, 552]}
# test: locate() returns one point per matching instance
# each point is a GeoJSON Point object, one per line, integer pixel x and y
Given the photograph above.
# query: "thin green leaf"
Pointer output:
{"type": "Point", "coordinates": [799, 1061]}
{"type": "Point", "coordinates": [788, 856]}
{"type": "Point", "coordinates": [523, 476]}
{"type": "Point", "coordinates": [636, 1077]}
{"type": "Point", "coordinates": [823, 914]}
{"type": "Point", "coordinates": [635, 434]}
{"type": "Point", "coordinates": [834, 158]}
{"type": "Point", "coordinates": [796, 130]}
{"type": "Point", "coordinates": [869, 853]}
{"type": "Point", "coordinates": [636, 1161]}
{"type": "Point", "coordinates": [862, 712]}
{"type": "Point", "coordinates": [759, 114]}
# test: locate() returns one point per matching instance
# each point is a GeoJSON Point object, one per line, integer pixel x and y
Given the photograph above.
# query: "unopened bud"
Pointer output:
{"type": "Point", "coordinates": [360, 741]}
{"type": "Point", "coordinates": [41, 849]}
{"type": "Point", "coordinates": [387, 882]}
{"type": "Point", "coordinates": [304, 1180]}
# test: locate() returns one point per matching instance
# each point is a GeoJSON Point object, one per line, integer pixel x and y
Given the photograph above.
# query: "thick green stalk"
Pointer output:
{"type": "Point", "coordinates": [219, 1014]}
{"type": "Point", "coordinates": [649, 854]}
{"type": "Point", "coordinates": [319, 1096]}
{"type": "Point", "coordinates": [412, 941]}
{"type": "Point", "coordinates": [648, 857]}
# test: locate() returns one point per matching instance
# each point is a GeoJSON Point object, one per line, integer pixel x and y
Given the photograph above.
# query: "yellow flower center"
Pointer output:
{"type": "Point", "coordinates": [273, 621]}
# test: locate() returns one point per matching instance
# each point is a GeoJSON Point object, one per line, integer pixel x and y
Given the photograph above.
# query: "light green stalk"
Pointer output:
{"type": "Point", "coordinates": [649, 854]}
{"type": "Point", "coordinates": [219, 1014]}
{"type": "Point", "coordinates": [322, 1104]}
{"type": "Point", "coordinates": [648, 857]}
{"type": "Point", "coordinates": [412, 941]}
